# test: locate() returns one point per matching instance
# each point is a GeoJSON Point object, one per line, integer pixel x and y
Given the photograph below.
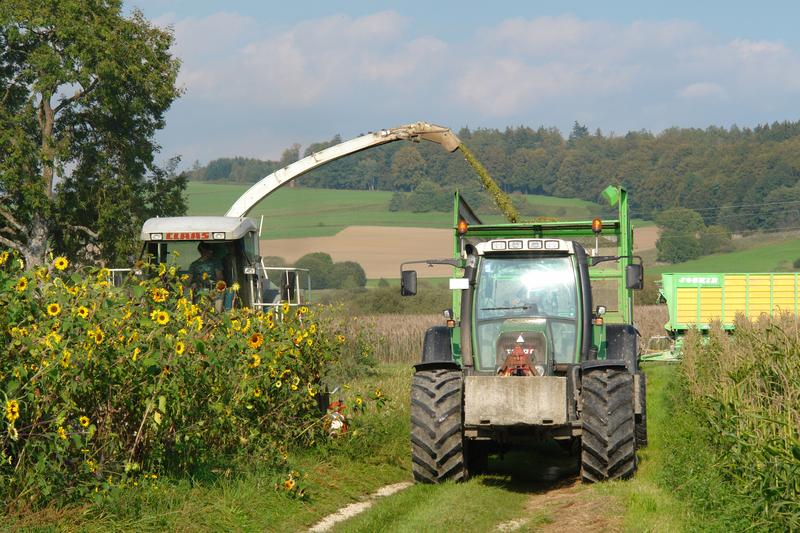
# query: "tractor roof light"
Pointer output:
{"type": "Point", "coordinates": [597, 225]}
{"type": "Point", "coordinates": [462, 226]}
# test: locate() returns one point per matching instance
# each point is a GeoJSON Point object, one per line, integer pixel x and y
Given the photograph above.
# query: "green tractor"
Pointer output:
{"type": "Point", "coordinates": [539, 345]}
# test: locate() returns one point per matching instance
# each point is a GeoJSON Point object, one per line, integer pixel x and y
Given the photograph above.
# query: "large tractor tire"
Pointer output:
{"type": "Point", "coordinates": [437, 443]}
{"type": "Point", "coordinates": [608, 442]}
{"type": "Point", "coordinates": [641, 419]}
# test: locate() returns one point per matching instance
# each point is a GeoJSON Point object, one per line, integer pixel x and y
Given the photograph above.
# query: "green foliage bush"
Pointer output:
{"type": "Point", "coordinates": [680, 231]}
{"type": "Point", "coordinates": [102, 387]}
{"type": "Point", "coordinates": [325, 274]}
{"type": "Point", "coordinates": [744, 390]}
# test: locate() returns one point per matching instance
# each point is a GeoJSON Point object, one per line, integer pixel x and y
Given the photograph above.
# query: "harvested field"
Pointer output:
{"type": "Point", "coordinates": [380, 249]}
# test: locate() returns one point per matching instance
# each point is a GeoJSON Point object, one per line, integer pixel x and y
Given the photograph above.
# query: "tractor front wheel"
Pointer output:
{"type": "Point", "coordinates": [437, 442]}
{"type": "Point", "coordinates": [608, 441]}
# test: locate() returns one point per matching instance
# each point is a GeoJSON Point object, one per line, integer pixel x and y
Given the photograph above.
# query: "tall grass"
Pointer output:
{"type": "Point", "coordinates": [744, 392]}
{"type": "Point", "coordinates": [390, 338]}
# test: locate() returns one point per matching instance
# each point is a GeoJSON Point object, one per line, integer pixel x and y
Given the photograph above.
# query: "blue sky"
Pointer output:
{"type": "Point", "coordinates": [260, 76]}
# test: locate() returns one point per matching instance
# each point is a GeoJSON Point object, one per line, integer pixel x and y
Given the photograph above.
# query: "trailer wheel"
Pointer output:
{"type": "Point", "coordinates": [437, 443]}
{"type": "Point", "coordinates": [608, 442]}
{"type": "Point", "coordinates": [641, 419]}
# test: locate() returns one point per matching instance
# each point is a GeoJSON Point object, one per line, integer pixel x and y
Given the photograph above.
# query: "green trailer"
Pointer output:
{"type": "Point", "coordinates": [697, 300]}
{"type": "Point", "coordinates": [539, 344]}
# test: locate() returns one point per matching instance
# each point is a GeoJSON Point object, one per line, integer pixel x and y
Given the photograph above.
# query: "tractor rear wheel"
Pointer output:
{"type": "Point", "coordinates": [641, 419]}
{"type": "Point", "coordinates": [608, 442]}
{"type": "Point", "coordinates": [437, 442]}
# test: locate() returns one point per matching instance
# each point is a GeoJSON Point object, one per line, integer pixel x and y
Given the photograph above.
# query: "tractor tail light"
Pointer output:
{"type": "Point", "coordinates": [597, 225]}
{"type": "Point", "coordinates": [462, 226]}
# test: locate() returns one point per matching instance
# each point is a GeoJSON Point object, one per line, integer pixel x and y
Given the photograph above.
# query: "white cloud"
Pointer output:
{"type": "Point", "coordinates": [339, 72]}
{"type": "Point", "coordinates": [702, 90]}
{"type": "Point", "coordinates": [314, 61]}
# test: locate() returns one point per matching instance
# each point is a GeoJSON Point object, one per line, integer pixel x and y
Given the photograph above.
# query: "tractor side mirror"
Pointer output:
{"type": "Point", "coordinates": [634, 277]}
{"type": "Point", "coordinates": [408, 282]}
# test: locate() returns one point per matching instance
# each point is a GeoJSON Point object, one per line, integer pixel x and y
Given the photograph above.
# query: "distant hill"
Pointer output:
{"type": "Point", "coordinates": [743, 178]}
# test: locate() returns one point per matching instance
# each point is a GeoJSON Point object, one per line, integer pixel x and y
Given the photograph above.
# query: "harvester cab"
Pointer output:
{"type": "Point", "coordinates": [541, 343]}
{"type": "Point", "coordinates": [233, 242]}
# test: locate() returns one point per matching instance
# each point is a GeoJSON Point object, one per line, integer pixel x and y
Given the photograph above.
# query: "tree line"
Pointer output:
{"type": "Point", "coordinates": [739, 178]}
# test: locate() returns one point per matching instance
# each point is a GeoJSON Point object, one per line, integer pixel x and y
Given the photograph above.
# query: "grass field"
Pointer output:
{"type": "Point", "coordinates": [769, 257]}
{"type": "Point", "coordinates": [301, 212]}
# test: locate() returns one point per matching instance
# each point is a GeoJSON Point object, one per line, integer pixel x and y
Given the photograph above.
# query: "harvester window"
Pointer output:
{"type": "Point", "coordinates": [527, 296]}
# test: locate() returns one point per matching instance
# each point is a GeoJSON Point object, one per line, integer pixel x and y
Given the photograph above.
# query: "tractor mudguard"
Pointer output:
{"type": "Point", "coordinates": [437, 348]}
{"type": "Point", "coordinates": [622, 345]}
{"type": "Point", "coordinates": [437, 365]}
{"type": "Point", "coordinates": [603, 363]}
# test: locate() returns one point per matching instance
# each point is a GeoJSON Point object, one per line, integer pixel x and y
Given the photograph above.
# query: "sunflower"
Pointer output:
{"type": "Point", "coordinates": [285, 307]}
{"type": "Point", "coordinates": [103, 273]}
{"type": "Point", "coordinates": [84, 420]}
{"type": "Point", "coordinates": [62, 434]}
{"type": "Point", "coordinates": [3, 258]}
{"type": "Point", "coordinates": [340, 339]}
{"type": "Point", "coordinates": [221, 286]}
{"type": "Point", "coordinates": [162, 317]}
{"type": "Point", "coordinates": [12, 410]}
{"type": "Point", "coordinates": [98, 335]}
{"type": "Point", "coordinates": [54, 309]}
{"type": "Point", "coordinates": [312, 328]}
{"type": "Point", "coordinates": [61, 263]}
{"type": "Point", "coordinates": [180, 347]}
{"type": "Point", "coordinates": [255, 341]}
{"type": "Point", "coordinates": [135, 354]}
{"type": "Point", "coordinates": [257, 393]}
{"type": "Point", "coordinates": [304, 310]}
{"type": "Point", "coordinates": [159, 294]}
{"type": "Point", "coordinates": [65, 357]}
{"type": "Point", "coordinates": [255, 361]}
{"type": "Point", "coordinates": [82, 312]}
{"type": "Point", "coordinates": [289, 484]}
{"type": "Point", "coordinates": [22, 284]}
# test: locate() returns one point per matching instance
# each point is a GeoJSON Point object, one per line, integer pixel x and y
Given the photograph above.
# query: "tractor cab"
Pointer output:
{"type": "Point", "coordinates": [526, 302]}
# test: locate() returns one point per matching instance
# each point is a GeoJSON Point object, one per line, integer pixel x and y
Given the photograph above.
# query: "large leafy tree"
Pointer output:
{"type": "Point", "coordinates": [83, 90]}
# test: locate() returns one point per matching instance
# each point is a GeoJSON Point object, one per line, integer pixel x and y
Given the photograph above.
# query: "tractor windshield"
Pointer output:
{"type": "Point", "coordinates": [526, 297]}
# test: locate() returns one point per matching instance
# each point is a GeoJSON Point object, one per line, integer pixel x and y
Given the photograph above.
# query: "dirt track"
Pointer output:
{"type": "Point", "coordinates": [380, 250]}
